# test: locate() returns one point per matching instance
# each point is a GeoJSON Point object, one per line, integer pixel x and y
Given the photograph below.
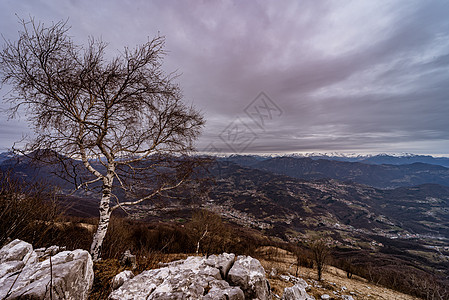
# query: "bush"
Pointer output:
{"type": "Point", "coordinates": [27, 211]}
{"type": "Point", "coordinates": [145, 239]}
{"type": "Point", "coordinates": [207, 232]}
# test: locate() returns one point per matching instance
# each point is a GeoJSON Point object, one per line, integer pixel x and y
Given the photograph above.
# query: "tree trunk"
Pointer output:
{"type": "Point", "coordinates": [105, 214]}
{"type": "Point", "coordinates": [198, 244]}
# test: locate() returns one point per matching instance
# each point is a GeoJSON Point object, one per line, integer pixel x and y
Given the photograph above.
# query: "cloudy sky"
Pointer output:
{"type": "Point", "coordinates": [283, 76]}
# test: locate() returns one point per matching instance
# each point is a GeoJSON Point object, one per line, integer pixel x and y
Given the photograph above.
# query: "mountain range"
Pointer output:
{"type": "Point", "coordinates": [383, 176]}
{"type": "Point", "coordinates": [379, 159]}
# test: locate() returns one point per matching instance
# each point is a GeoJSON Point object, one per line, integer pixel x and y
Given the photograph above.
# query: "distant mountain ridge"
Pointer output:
{"type": "Point", "coordinates": [379, 159]}
{"type": "Point", "coordinates": [409, 159]}
{"type": "Point", "coordinates": [372, 171]}
{"type": "Point", "coordinates": [384, 176]}
{"type": "Point", "coordinates": [5, 156]}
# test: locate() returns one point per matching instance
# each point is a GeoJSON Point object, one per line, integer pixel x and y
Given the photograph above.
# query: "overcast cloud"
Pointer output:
{"type": "Point", "coordinates": [344, 76]}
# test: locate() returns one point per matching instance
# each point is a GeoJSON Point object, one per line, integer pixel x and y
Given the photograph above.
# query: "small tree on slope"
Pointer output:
{"type": "Point", "coordinates": [321, 254]}
{"type": "Point", "coordinates": [122, 118]}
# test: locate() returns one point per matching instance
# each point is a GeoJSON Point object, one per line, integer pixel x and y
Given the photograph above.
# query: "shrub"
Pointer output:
{"type": "Point", "coordinates": [27, 211]}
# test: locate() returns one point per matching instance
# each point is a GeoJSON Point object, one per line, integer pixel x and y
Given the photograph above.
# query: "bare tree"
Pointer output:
{"type": "Point", "coordinates": [348, 267]}
{"type": "Point", "coordinates": [320, 256]}
{"type": "Point", "coordinates": [121, 118]}
{"type": "Point", "coordinates": [208, 231]}
{"type": "Point", "coordinates": [298, 254]}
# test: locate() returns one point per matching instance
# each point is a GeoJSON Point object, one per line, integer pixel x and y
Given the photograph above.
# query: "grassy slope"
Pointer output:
{"type": "Point", "coordinates": [334, 279]}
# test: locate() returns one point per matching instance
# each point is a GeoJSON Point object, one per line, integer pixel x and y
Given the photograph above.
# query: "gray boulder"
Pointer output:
{"type": "Point", "coordinates": [13, 257]}
{"type": "Point", "coordinates": [120, 278]}
{"type": "Point", "coordinates": [249, 275]}
{"type": "Point", "coordinates": [70, 273]}
{"type": "Point", "coordinates": [199, 278]}
{"type": "Point", "coordinates": [301, 283]}
{"type": "Point", "coordinates": [297, 292]}
{"type": "Point", "coordinates": [222, 262]}
{"type": "Point", "coordinates": [225, 293]}
{"type": "Point", "coordinates": [18, 250]}
{"type": "Point", "coordinates": [192, 278]}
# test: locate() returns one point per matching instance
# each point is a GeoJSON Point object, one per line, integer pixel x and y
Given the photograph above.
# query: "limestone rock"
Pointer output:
{"type": "Point", "coordinates": [188, 279]}
{"type": "Point", "coordinates": [222, 262]}
{"type": "Point", "coordinates": [70, 272]}
{"type": "Point", "coordinates": [199, 278]}
{"type": "Point", "coordinates": [230, 293]}
{"type": "Point", "coordinates": [44, 253]}
{"type": "Point", "coordinates": [249, 275]}
{"type": "Point", "coordinates": [40, 252]}
{"type": "Point", "coordinates": [297, 292]}
{"type": "Point", "coordinates": [120, 278]}
{"type": "Point", "coordinates": [53, 250]}
{"type": "Point", "coordinates": [18, 250]}
{"type": "Point", "coordinates": [302, 283]}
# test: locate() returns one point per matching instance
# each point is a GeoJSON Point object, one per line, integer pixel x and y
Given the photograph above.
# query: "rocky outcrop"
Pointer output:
{"type": "Point", "coordinates": [297, 292]}
{"type": "Point", "coordinates": [68, 274]}
{"type": "Point", "coordinates": [14, 256]}
{"type": "Point", "coordinates": [249, 275]}
{"type": "Point", "coordinates": [217, 277]}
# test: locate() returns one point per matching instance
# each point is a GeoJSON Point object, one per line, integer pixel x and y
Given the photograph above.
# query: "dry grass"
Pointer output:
{"type": "Point", "coordinates": [104, 271]}
{"type": "Point", "coordinates": [334, 279]}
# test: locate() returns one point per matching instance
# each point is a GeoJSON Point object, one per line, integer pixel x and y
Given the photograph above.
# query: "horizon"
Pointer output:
{"type": "Point", "coordinates": [310, 154]}
{"type": "Point", "coordinates": [333, 154]}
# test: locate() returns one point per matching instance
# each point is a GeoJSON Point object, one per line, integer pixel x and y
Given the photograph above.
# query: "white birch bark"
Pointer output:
{"type": "Point", "coordinates": [105, 215]}
{"type": "Point", "coordinates": [199, 241]}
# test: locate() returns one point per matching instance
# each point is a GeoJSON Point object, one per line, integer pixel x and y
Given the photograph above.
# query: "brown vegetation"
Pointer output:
{"type": "Point", "coordinates": [333, 279]}
{"type": "Point", "coordinates": [30, 212]}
